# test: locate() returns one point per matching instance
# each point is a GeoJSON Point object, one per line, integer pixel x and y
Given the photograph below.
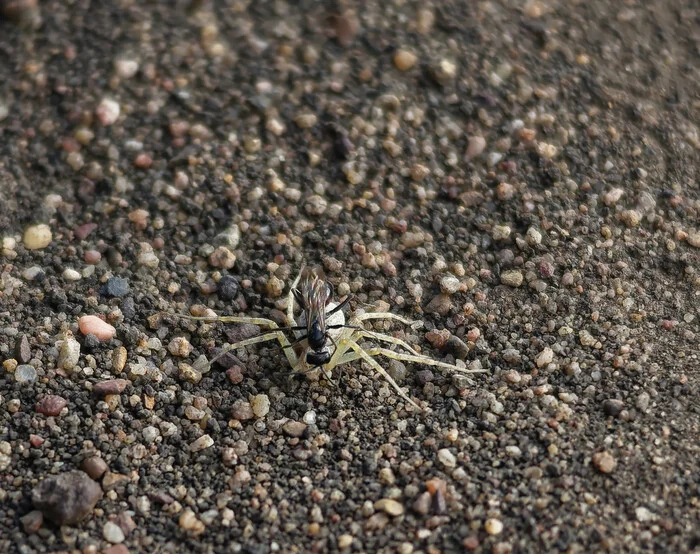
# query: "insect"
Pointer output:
{"type": "Point", "coordinates": [323, 339]}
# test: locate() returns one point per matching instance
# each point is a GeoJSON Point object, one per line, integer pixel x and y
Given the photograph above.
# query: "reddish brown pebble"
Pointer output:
{"type": "Point", "coordinates": [36, 441]}
{"type": "Point", "coordinates": [111, 386]}
{"type": "Point", "coordinates": [92, 257]}
{"type": "Point", "coordinates": [438, 337]}
{"type": "Point", "coordinates": [85, 230]}
{"type": "Point", "coordinates": [51, 405]}
{"type": "Point", "coordinates": [143, 161]}
{"type": "Point", "coordinates": [91, 324]}
{"type": "Point", "coordinates": [235, 374]}
{"type": "Point", "coordinates": [94, 466]}
{"type": "Point", "coordinates": [116, 549]}
{"type": "Point", "coordinates": [32, 522]}
{"type": "Point", "coordinates": [471, 543]}
{"type": "Point", "coordinates": [546, 270]}
{"type": "Point", "coordinates": [434, 485]}
{"type": "Point", "coordinates": [669, 324]}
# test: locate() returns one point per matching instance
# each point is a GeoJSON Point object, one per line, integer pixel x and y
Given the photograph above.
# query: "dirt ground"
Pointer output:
{"type": "Point", "coordinates": [522, 177]}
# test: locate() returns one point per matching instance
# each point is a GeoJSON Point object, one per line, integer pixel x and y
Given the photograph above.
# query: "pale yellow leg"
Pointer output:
{"type": "Point", "coordinates": [279, 335]}
{"type": "Point", "coordinates": [379, 369]}
{"type": "Point", "coordinates": [262, 322]}
{"type": "Point", "coordinates": [382, 315]}
{"type": "Point", "coordinates": [386, 338]}
{"type": "Point", "coordinates": [290, 299]}
{"type": "Point", "coordinates": [377, 351]}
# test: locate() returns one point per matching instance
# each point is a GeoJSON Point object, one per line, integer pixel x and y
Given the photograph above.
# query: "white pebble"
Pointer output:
{"type": "Point", "coordinates": [108, 111]}
{"type": "Point", "coordinates": [493, 526]}
{"type": "Point", "coordinates": [545, 357]}
{"type": "Point", "coordinates": [449, 284]}
{"type": "Point", "coordinates": [113, 533]}
{"type": "Point", "coordinates": [126, 68]}
{"type": "Point", "coordinates": [205, 441]}
{"type": "Point", "coordinates": [70, 274]}
{"type": "Point", "coordinates": [447, 458]}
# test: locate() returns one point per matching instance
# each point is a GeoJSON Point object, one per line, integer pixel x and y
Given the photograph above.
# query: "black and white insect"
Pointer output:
{"type": "Point", "coordinates": [323, 338]}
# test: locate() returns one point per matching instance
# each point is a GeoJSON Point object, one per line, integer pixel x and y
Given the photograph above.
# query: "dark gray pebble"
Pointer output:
{"type": "Point", "coordinates": [116, 286]}
{"type": "Point", "coordinates": [67, 498]}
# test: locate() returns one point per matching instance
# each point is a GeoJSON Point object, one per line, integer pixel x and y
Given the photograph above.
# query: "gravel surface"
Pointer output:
{"type": "Point", "coordinates": [520, 176]}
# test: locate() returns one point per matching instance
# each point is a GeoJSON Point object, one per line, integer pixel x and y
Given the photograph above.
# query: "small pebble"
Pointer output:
{"type": "Point", "coordinates": [25, 374]}
{"type": "Point", "coordinates": [150, 434]}
{"type": "Point", "coordinates": [423, 503]}
{"type": "Point", "coordinates": [94, 466]}
{"type": "Point", "coordinates": [66, 498]}
{"type": "Point", "coordinates": [449, 284]}
{"type": "Point", "coordinates": [512, 278]}
{"type": "Point", "coordinates": [51, 405]}
{"type": "Point", "coordinates": [227, 288]}
{"type": "Point", "coordinates": [69, 352]}
{"type": "Point", "coordinates": [604, 462]}
{"type": "Point", "coordinates": [446, 458]}
{"type": "Point", "coordinates": [493, 526]}
{"type": "Point", "coordinates": [37, 237]}
{"type": "Point", "coordinates": [70, 274]}
{"type": "Point", "coordinates": [107, 112]}
{"type": "Point", "coordinates": [294, 428]}
{"type": "Point", "coordinates": [260, 405]}
{"type": "Point", "coordinates": [242, 411]}
{"type": "Point", "coordinates": [180, 347]}
{"type": "Point", "coordinates": [119, 356]}
{"type": "Point", "coordinates": [205, 441]}
{"type": "Point", "coordinates": [613, 407]}
{"type": "Point", "coordinates": [475, 147]}
{"type": "Point", "coordinates": [110, 386]}
{"type": "Point", "coordinates": [404, 59]}
{"type": "Point", "coordinates": [91, 324]}
{"type": "Point", "coordinates": [189, 522]}
{"type": "Point", "coordinates": [545, 357]}
{"type": "Point", "coordinates": [126, 68]}
{"type": "Point", "coordinates": [113, 533]}
{"type": "Point", "coordinates": [32, 521]}
{"type": "Point", "coordinates": [116, 287]}
{"type": "Point", "coordinates": [389, 506]}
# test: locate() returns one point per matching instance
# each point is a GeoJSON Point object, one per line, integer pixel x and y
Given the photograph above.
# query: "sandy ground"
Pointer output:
{"type": "Point", "coordinates": [522, 177]}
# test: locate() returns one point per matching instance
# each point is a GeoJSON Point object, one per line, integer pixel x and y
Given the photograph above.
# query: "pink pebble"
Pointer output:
{"type": "Point", "coordinates": [91, 324]}
{"type": "Point", "coordinates": [92, 257]}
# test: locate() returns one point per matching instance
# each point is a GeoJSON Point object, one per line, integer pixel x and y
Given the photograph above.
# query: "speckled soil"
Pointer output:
{"type": "Point", "coordinates": [523, 175]}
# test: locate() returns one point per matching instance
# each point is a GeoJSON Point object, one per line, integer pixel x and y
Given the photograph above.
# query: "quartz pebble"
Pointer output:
{"type": "Point", "coordinates": [68, 352]}
{"type": "Point", "coordinates": [93, 325]}
{"type": "Point", "coordinates": [205, 441]}
{"type": "Point", "coordinates": [25, 374]}
{"type": "Point", "coordinates": [493, 526]}
{"type": "Point", "coordinates": [389, 506]}
{"type": "Point", "coordinates": [37, 237]}
{"type": "Point", "coordinates": [113, 533]}
{"type": "Point", "coordinates": [447, 458]}
{"type": "Point", "coordinates": [107, 111]}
